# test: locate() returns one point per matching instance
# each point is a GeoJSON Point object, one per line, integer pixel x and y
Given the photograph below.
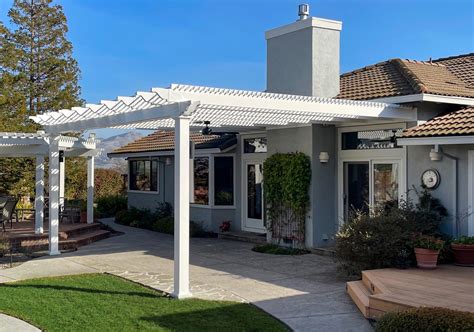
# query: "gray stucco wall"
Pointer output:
{"type": "Point", "coordinates": [324, 187]}
{"type": "Point", "coordinates": [452, 199]}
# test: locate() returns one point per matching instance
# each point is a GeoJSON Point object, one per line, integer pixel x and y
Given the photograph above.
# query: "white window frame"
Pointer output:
{"type": "Point", "coordinates": [246, 158]}
{"type": "Point", "coordinates": [372, 156]}
{"type": "Point", "coordinates": [158, 182]}
{"type": "Point", "coordinates": [211, 203]}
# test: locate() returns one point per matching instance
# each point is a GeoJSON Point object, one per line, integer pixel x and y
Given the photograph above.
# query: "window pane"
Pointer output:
{"type": "Point", "coordinates": [385, 184]}
{"type": "Point", "coordinates": [255, 145]}
{"type": "Point", "coordinates": [154, 175]}
{"type": "Point", "coordinates": [201, 180]}
{"type": "Point", "coordinates": [254, 191]}
{"type": "Point", "coordinates": [133, 175]}
{"type": "Point", "coordinates": [372, 139]}
{"type": "Point", "coordinates": [356, 188]}
{"type": "Point", "coordinates": [224, 181]}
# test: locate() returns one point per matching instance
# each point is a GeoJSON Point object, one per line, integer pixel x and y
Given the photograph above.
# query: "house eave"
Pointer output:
{"type": "Point", "coordinates": [426, 97]}
{"type": "Point", "coordinates": [439, 140]}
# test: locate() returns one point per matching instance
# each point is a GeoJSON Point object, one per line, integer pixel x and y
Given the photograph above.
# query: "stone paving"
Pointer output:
{"type": "Point", "coordinates": [302, 291]}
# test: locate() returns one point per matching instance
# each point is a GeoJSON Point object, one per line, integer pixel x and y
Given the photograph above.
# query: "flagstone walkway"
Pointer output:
{"type": "Point", "coordinates": [302, 291]}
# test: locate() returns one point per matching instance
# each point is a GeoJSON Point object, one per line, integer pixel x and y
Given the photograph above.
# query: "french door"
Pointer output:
{"type": "Point", "coordinates": [253, 212]}
{"type": "Point", "coordinates": [370, 183]}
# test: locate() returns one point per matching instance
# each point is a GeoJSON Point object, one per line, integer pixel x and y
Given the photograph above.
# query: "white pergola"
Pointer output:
{"type": "Point", "coordinates": [183, 107]}
{"type": "Point", "coordinates": [40, 145]}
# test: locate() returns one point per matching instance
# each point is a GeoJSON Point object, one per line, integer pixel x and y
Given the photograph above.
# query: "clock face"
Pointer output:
{"type": "Point", "coordinates": [430, 178]}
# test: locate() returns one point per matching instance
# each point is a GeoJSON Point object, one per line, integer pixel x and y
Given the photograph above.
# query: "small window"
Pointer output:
{"type": "Point", "coordinates": [224, 180]}
{"type": "Point", "coordinates": [372, 139]}
{"type": "Point", "coordinates": [255, 145]}
{"type": "Point", "coordinates": [201, 180]}
{"type": "Point", "coordinates": [143, 175]}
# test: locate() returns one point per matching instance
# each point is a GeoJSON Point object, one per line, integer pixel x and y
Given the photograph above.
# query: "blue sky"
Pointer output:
{"type": "Point", "coordinates": [128, 45]}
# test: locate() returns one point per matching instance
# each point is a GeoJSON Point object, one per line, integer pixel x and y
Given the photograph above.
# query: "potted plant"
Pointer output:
{"type": "Point", "coordinates": [427, 250]}
{"type": "Point", "coordinates": [463, 250]}
{"type": "Point", "coordinates": [225, 226]}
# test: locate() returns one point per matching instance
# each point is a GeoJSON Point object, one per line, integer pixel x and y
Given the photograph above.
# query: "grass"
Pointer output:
{"type": "Point", "coordinates": [277, 250]}
{"type": "Point", "coordinates": [101, 302]}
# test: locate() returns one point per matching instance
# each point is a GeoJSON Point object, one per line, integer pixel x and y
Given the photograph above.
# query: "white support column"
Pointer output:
{"type": "Point", "coordinates": [39, 195]}
{"type": "Point", "coordinates": [90, 190]}
{"type": "Point", "coordinates": [62, 176]}
{"type": "Point", "coordinates": [54, 196]}
{"type": "Point", "coordinates": [181, 208]}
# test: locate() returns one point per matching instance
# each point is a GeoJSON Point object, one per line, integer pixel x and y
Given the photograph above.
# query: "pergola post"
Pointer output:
{"type": "Point", "coordinates": [181, 208]}
{"type": "Point", "coordinates": [54, 196]}
{"type": "Point", "coordinates": [90, 190]}
{"type": "Point", "coordinates": [39, 194]}
{"type": "Point", "coordinates": [62, 178]}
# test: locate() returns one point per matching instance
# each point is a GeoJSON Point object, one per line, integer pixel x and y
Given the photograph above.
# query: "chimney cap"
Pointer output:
{"type": "Point", "coordinates": [303, 11]}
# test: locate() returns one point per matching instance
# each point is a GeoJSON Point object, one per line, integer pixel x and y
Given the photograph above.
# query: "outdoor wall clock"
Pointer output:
{"type": "Point", "coordinates": [431, 179]}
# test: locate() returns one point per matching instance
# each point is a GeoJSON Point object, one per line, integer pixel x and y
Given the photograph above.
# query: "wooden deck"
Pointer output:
{"type": "Point", "coordinates": [388, 290]}
{"type": "Point", "coordinates": [71, 236]}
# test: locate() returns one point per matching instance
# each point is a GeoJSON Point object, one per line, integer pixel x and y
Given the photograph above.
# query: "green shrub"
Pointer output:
{"type": "Point", "coordinates": [122, 217]}
{"type": "Point", "coordinates": [278, 250]}
{"type": "Point", "coordinates": [426, 319]}
{"type": "Point", "coordinates": [109, 205]}
{"type": "Point", "coordinates": [384, 238]}
{"type": "Point", "coordinates": [164, 225]}
{"type": "Point", "coordinates": [428, 242]}
{"type": "Point", "coordinates": [464, 240]}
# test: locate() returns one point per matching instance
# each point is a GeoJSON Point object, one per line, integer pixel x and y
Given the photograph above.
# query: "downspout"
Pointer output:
{"type": "Point", "coordinates": [455, 160]}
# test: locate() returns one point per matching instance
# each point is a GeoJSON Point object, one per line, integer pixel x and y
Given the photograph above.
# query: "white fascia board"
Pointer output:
{"type": "Point", "coordinates": [268, 101]}
{"type": "Point", "coordinates": [310, 22]}
{"type": "Point", "coordinates": [428, 98]}
{"type": "Point", "coordinates": [172, 110]}
{"type": "Point", "coordinates": [436, 140]}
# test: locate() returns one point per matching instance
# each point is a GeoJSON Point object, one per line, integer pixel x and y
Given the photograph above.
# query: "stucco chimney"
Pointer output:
{"type": "Point", "coordinates": [303, 57]}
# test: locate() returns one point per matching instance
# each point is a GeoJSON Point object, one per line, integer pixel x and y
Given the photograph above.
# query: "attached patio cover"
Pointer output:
{"type": "Point", "coordinates": [183, 107]}
{"type": "Point", "coordinates": [40, 145]}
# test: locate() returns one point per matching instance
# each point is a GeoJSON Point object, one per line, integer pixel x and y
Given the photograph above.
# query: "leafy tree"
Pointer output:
{"type": "Point", "coordinates": [37, 74]}
{"type": "Point", "coordinates": [44, 62]}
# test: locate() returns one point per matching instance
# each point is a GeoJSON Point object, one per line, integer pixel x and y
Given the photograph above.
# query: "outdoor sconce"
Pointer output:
{"type": "Point", "coordinates": [206, 130]}
{"type": "Point", "coordinates": [168, 161]}
{"type": "Point", "coordinates": [323, 157]}
{"type": "Point", "coordinates": [435, 155]}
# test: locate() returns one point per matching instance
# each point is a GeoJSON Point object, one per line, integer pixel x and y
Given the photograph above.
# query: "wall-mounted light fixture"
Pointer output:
{"type": "Point", "coordinates": [206, 130]}
{"type": "Point", "coordinates": [168, 161]}
{"type": "Point", "coordinates": [435, 154]}
{"type": "Point", "coordinates": [323, 157]}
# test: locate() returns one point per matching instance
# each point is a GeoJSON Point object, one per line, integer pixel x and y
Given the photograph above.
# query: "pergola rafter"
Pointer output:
{"type": "Point", "coordinates": [181, 107]}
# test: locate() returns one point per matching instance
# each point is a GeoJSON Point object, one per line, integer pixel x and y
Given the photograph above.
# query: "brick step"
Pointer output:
{"type": "Point", "coordinates": [72, 243]}
{"type": "Point", "coordinates": [243, 237]}
{"type": "Point", "coordinates": [359, 294]}
{"type": "Point", "coordinates": [81, 229]}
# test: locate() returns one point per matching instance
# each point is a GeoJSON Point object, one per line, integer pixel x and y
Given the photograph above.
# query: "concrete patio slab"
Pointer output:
{"type": "Point", "coordinates": [302, 291]}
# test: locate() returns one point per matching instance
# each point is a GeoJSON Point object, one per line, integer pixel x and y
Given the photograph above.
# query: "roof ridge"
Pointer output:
{"type": "Point", "coordinates": [355, 71]}
{"type": "Point", "coordinates": [409, 75]}
{"type": "Point", "coordinates": [453, 57]}
{"type": "Point", "coordinates": [419, 62]}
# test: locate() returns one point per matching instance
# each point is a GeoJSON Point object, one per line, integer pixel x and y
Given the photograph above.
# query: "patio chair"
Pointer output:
{"type": "Point", "coordinates": [8, 212]}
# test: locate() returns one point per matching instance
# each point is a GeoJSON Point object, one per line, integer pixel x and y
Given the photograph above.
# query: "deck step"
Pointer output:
{"type": "Point", "coordinates": [83, 239]}
{"type": "Point", "coordinates": [360, 295]}
{"type": "Point", "coordinates": [244, 237]}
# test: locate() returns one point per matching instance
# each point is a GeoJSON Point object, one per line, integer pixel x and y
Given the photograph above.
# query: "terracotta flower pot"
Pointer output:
{"type": "Point", "coordinates": [426, 258]}
{"type": "Point", "coordinates": [463, 254]}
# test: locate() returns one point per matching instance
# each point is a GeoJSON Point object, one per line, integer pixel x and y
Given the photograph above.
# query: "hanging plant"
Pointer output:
{"type": "Point", "coordinates": [286, 187]}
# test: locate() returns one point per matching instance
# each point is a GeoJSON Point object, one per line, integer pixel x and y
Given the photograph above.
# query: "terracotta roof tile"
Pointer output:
{"type": "Point", "coordinates": [449, 76]}
{"type": "Point", "coordinates": [164, 141]}
{"type": "Point", "coordinates": [456, 123]}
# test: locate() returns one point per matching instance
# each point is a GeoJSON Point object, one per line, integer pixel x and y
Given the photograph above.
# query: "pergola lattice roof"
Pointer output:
{"type": "Point", "coordinates": [224, 108]}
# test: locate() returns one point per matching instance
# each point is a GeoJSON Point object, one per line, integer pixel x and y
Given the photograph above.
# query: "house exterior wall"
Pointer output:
{"type": "Point", "coordinates": [453, 190]}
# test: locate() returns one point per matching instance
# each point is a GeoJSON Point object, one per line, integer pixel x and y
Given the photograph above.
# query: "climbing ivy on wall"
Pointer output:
{"type": "Point", "coordinates": [286, 187]}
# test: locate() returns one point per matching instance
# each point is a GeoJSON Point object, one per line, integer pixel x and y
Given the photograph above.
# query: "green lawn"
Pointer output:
{"type": "Point", "coordinates": [101, 302]}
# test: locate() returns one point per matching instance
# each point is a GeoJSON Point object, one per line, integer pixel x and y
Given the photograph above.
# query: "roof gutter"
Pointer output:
{"type": "Point", "coordinates": [436, 140]}
{"type": "Point", "coordinates": [426, 97]}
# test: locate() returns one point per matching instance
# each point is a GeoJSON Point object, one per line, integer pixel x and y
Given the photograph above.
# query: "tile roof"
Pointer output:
{"type": "Point", "coordinates": [456, 123]}
{"type": "Point", "coordinates": [164, 141]}
{"type": "Point", "coordinates": [452, 76]}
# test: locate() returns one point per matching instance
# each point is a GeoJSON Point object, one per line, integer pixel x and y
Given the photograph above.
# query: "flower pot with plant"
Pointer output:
{"type": "Point", "coordinates": [463, 250]}
{"type": "Point", "coordinates": [427, 250]}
